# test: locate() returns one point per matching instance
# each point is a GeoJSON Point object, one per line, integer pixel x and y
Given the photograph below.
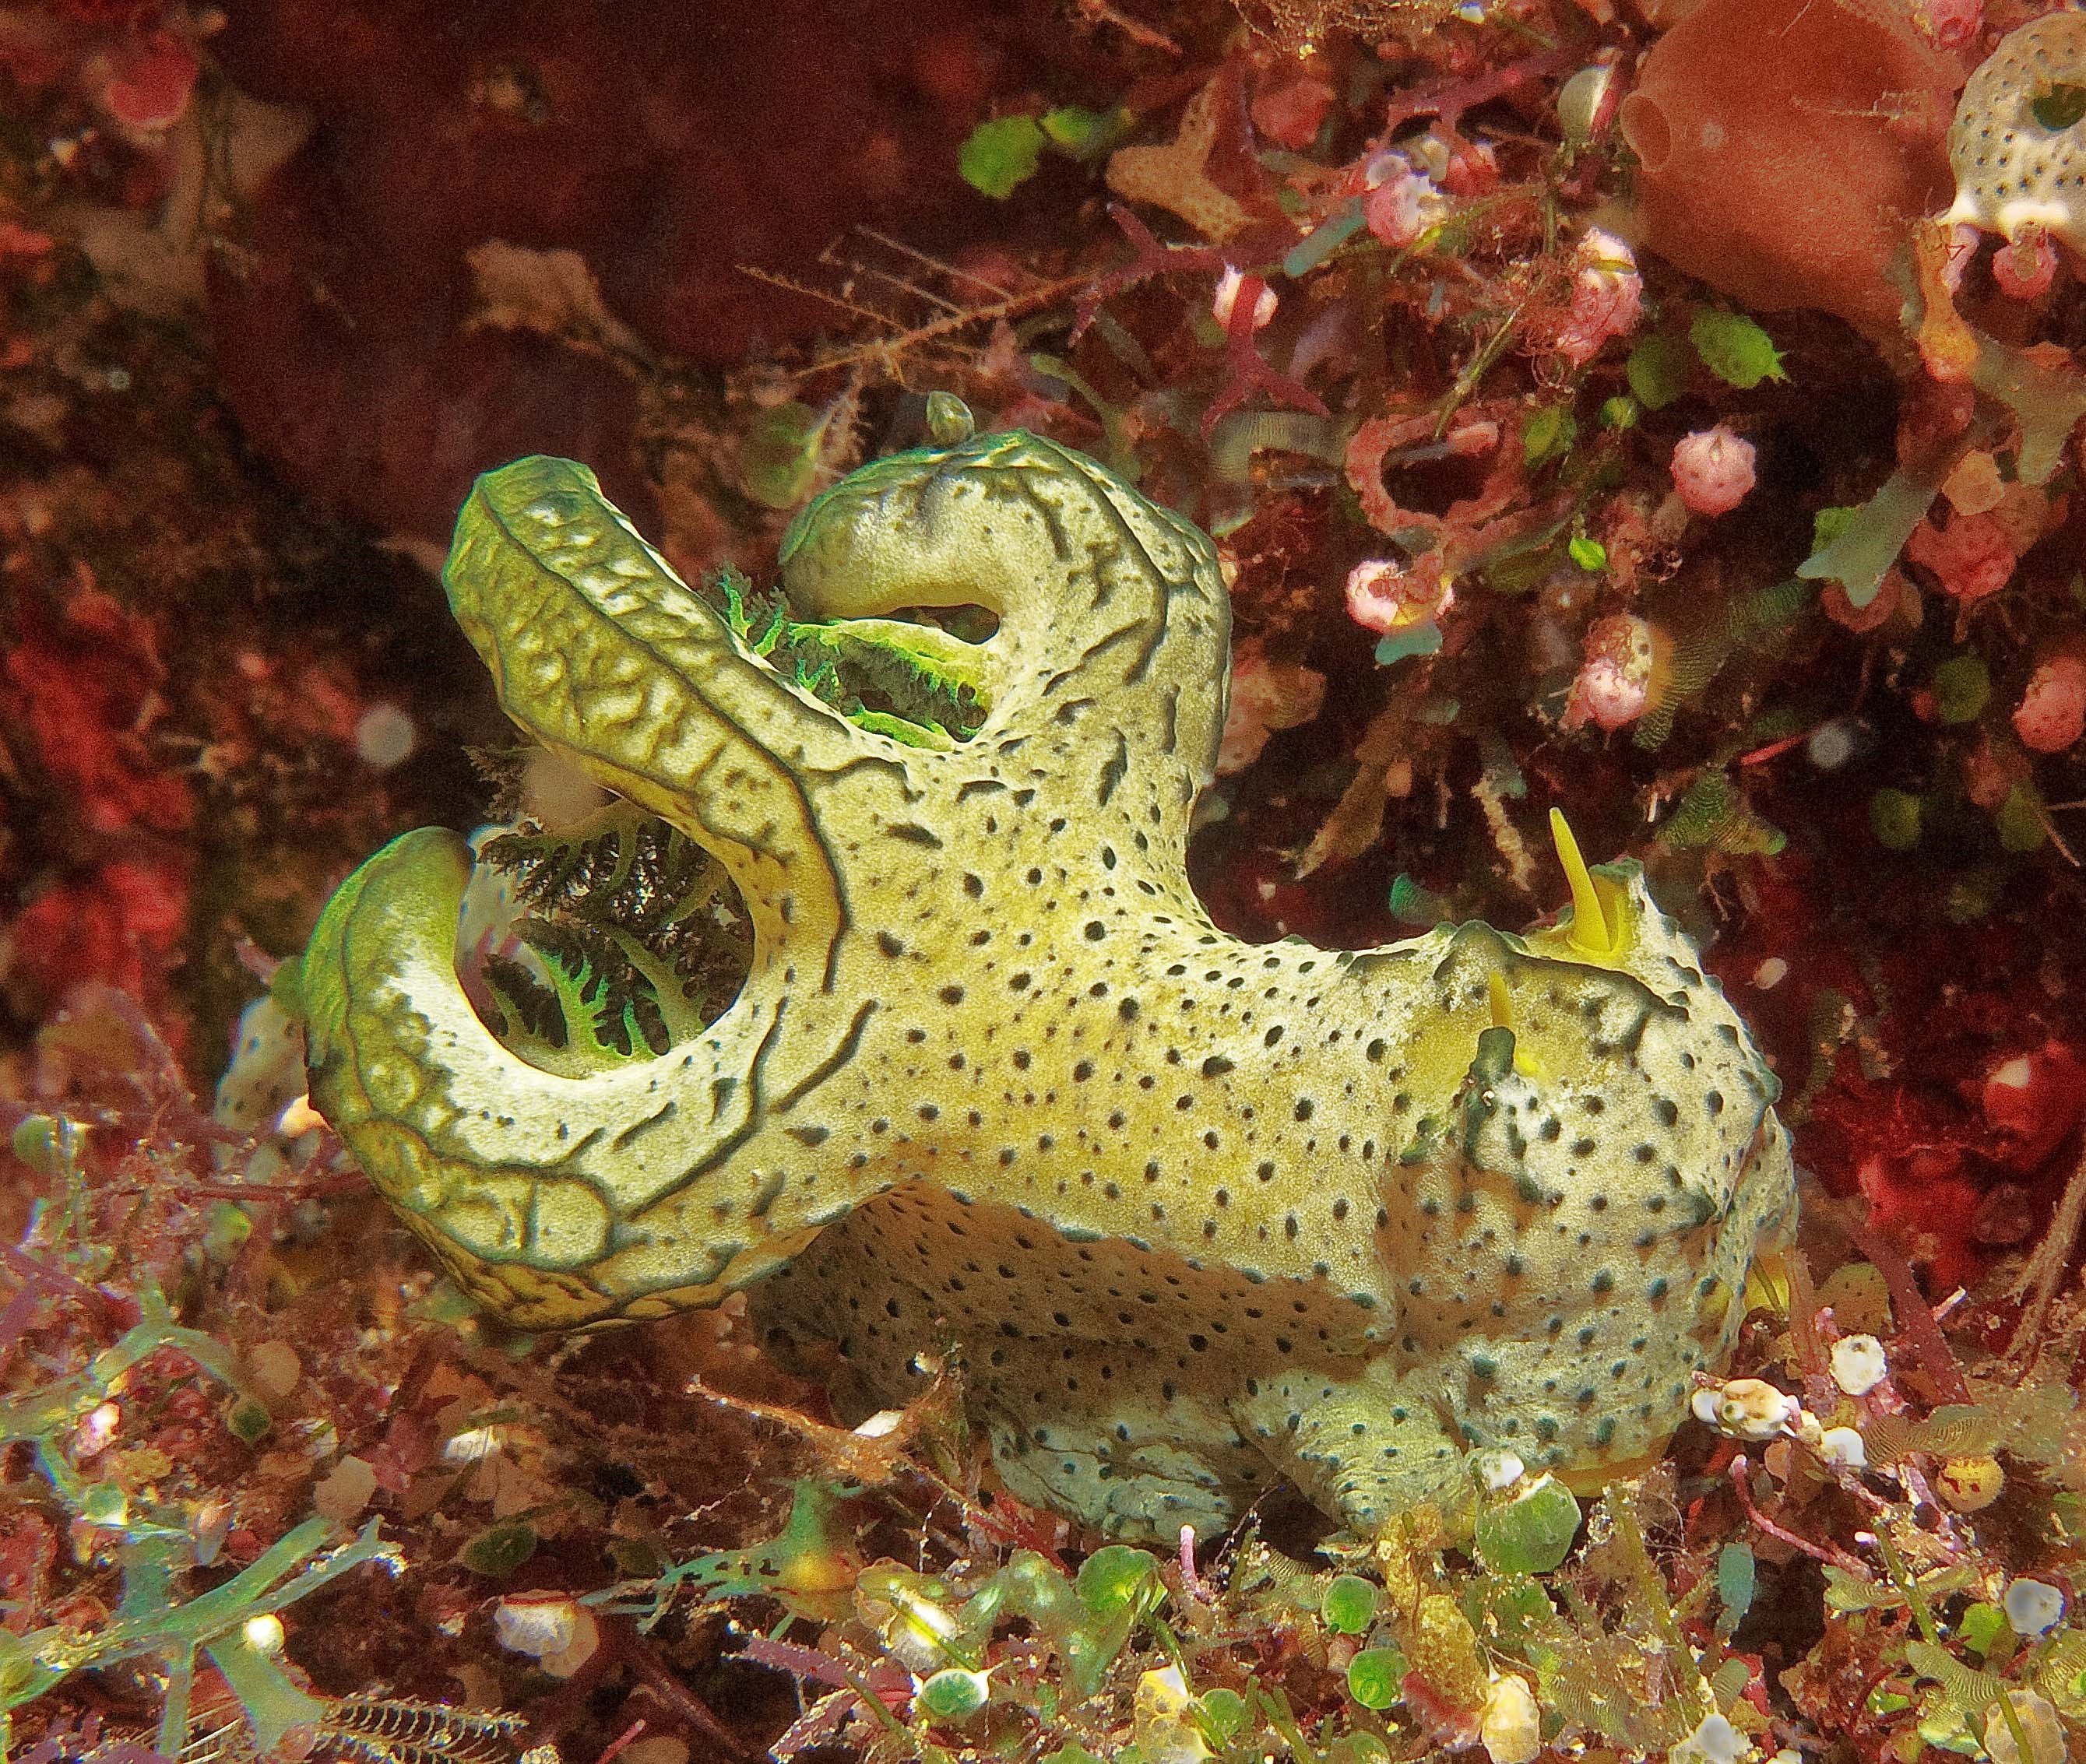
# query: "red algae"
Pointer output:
{"type": "Point", "coordinates": [1433, 429]}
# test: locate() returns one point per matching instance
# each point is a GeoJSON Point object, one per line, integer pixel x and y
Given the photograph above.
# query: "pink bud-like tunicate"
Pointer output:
{"type": "Point", "coordinates": [1712, 469]}
{"type": "Point", "coordinates": [1614, 684]}
{"type": "Point", "coordinates": [1385, 597]}
{"type": "Point", "coordinates": [1607, 297]}
{"type": "Point", "coordinates": [2052, 715]}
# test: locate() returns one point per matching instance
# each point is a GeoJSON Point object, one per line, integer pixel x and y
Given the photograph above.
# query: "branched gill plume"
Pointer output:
{"type": "Point", "coordinates": [631, 921]}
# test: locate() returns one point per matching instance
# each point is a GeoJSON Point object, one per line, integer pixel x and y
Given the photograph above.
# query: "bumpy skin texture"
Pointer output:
{"type": "Point", "coordinates": [1190, 1212]}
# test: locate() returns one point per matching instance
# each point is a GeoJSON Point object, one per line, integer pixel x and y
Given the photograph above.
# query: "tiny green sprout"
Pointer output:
{"type": "Point", "coordinates": [1547, 434]}
{"type": "Point", "coordinates": [498, 1550]}
{"type": "Point", "coordinates": [1412, 903]}
{"type": "Point", "coordinates": [1001, 156]}
{"type": "Point", "coordinates": [1531, 1533]}
{"type": "Point", "coordinates": [1421, 640]}
{"type": "Point", "coordinates": [950, 422]}
{"type": "Point", "coordinates": [46, 1143]}
{"type": "Point", "coordinates": [1737, 1580]}
{"type": "Point", "coordinates": [1086, 134]}
{"type": "Point", "coordinates": [778, 459]}
{"type": "Point", "coordinates": [249, 1421]}
{"type": "Point", "coordinates": [1589, 554]}
{"type": "Point", "coordinates": [1323, 240]}
{"type": "Point", "coordinates": [1734, 348]}
{"type": "Point", "coordinates": [1980, 1626]}
{"type": "Point", "coordinates": [1221, 1713]}
{"type": "Point", "coordinates": [2021, 819]}
{"type": "Point", "coordinates": [285, 986]}
{"type": "Point", "coordinates": [1971, 898]}
{"type": "Point", "coordinates": [1514, 1605]}
{"type": "Point", "coordinates": [104, 1504]}
{"type": "Point", "coordinates": [1349, 1604]}
{"type": "Point", "coordinates": [1121, 456]}
{"type": "Point", "coordinates": [1962, 688]}
{"type": "Point", "coordinates": [1620, 413]}
{"type": "Point", "coordinates": [636, 1558]}
{"type": "Point", "coordinates": [228, 1228]}
{"type": "Point", "coordinates": [1657, 370]}
{"type": "Point", "coordinates": [1375, 1675]}
{"type": "Point", "coordinates": [1118, 1578]}
{"type": "Point", "coordinates": [1829, 523]}
{"type": "Point", "coordinates": [953, 1694]}
{"type": "Point", "coordinates": [1894, 817]}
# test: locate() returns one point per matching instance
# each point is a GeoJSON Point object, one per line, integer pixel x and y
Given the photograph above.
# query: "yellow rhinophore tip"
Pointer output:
{"type": "Point", "coordinates": [1502, 1002]}
{"type": "Point", "coordinates": [1767, 1285]}
{"type": "Point", "coordinates": [1590, 934]}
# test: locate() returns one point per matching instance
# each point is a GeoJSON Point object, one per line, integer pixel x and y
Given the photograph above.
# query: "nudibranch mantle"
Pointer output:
{"type": "Point", "coordinates": [1190, 1214]}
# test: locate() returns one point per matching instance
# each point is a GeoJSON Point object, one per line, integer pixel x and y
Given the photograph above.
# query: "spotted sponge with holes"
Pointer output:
{"type": "Point", "coordinates": [2018, 140]}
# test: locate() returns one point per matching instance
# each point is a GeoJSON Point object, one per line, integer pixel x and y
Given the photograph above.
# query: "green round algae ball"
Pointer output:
{"type": "Point", "coordinates": [1117, 1575]}
{"type": "Point", "coordinates": [1962, 688]}
{"type": "Point", "coordinates": [1348, 1605]}
{"type": "Point", "coordinates": [1894, 817]}
{"type": "Point", "coordinates": [1375, 1675]}
{"type": "Point", "coordinates": [953, 1694]}
{"type": "Point", "coordinates": [1532, 1533]}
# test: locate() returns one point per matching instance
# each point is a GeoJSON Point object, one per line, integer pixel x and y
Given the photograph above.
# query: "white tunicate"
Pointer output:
{"type": "Point", "coordinates": [1715, 1741]}
{"type": "Point", "coordinates": [267, 1067]}
{"type": "Point", "coordinates": [2034, 1607]}
{"type": "Point", "coordinates": [1832, 744]}
{"type": "Point", "coordinates": [1746, 1408]}
{"type": "Point", "coordinates": [1844, 1448]}
{"type": "Point", "coordinates": [1511, 1727]}
{"type": "Point", "coordinates": [553, 1628]}
{"type": "Point", "coordinates": [385, 737]}
{"type": "Point", "coordinates": [474, 1445]}
{"type": "Point", "coordinates": [1580, 100]}
{"type": "Point", "coordinates": [1499, 1471]}
{"type": "Point", "coordinates": [1859, 1365]}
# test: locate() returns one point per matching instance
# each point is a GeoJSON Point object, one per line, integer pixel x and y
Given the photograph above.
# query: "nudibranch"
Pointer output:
{"type": "Point", "coordinates": [1189, 1213]}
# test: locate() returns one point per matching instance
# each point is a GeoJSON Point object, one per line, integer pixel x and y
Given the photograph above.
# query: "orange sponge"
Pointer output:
{"type": "Point", "coordinates": [1785, 145]}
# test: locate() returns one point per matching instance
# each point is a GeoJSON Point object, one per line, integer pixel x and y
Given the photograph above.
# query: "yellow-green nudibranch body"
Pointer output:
{"type": "Point", "coordinates": [1191, 1214]}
